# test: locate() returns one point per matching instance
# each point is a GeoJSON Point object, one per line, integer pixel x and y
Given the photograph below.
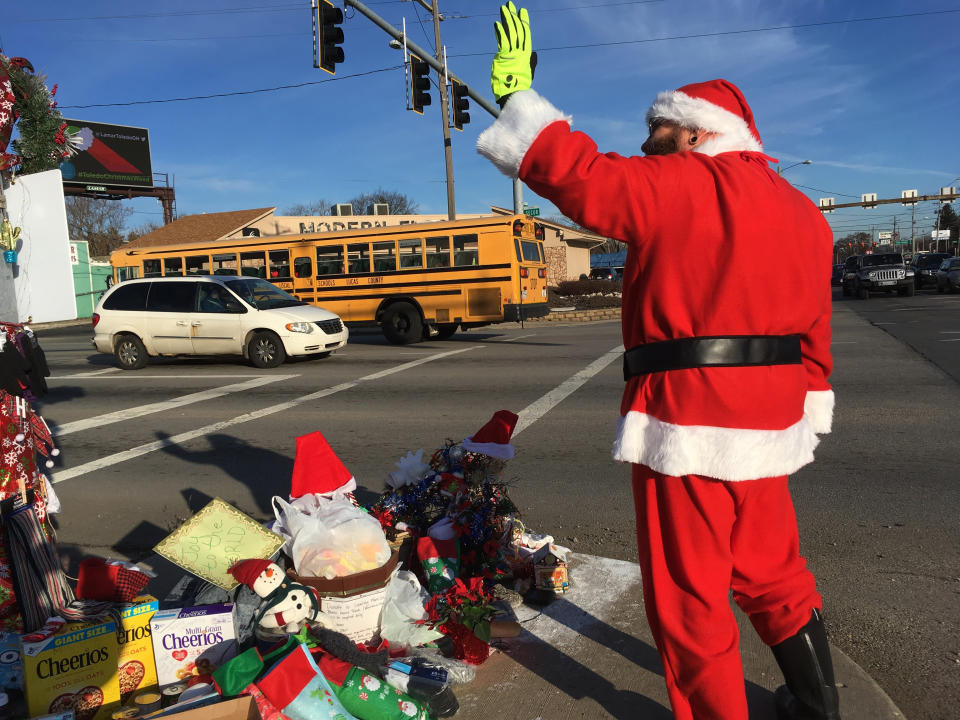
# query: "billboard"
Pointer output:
{"type": "Point", "coordinates": [110, 156]}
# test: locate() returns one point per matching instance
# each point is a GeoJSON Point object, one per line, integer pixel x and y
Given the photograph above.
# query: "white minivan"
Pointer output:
{"type": "Point", "coordinates": [211, 315]}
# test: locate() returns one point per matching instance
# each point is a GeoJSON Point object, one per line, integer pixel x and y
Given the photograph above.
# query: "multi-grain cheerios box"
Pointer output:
{"type": "Point", "coordinates": [76, 669]}
{"type": "Point", "coordinates": [192, 641]}
{"type": "Point", "coordinates": [137, 669]}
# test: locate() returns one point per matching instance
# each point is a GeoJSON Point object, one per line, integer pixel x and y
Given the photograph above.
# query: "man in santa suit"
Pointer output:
{"type": "Point", "coordinates": [726, 368]}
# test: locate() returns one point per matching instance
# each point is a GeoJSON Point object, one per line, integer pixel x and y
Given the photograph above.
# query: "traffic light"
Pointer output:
{"type": "Point", "coordinates": [331, 35]}
{"type": "Point", "coordinates": [459, 104]}
{"type": "Point", "coordinates": [419, 83]}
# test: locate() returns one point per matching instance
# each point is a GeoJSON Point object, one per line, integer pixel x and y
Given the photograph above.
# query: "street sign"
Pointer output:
{"type": "Point", "coordinates": [97, 188]}
{"type": "Point", "coordinates": [532, 211]}
{"type": "Point", "coordinates": [884, 235]}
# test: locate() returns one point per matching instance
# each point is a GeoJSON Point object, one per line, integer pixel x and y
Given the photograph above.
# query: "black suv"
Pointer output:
{"type": "Point", "coordinates": [878, 272]}
{"type": "Point", "coordinates": [925, 267]}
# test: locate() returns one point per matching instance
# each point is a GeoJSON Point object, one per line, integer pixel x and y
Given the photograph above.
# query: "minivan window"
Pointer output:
{"type": "Point", "coordinates": [261, 294]}
{"type": "Point", "coordinates": [171, 297]}
{"type": "Point", "coordinates": [127, 297]}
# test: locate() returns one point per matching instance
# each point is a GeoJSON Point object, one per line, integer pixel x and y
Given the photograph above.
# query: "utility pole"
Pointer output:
{"type": "Point", "coordinates": [444, 112]}
{"type": "Point", "coordinates": [913, 222]}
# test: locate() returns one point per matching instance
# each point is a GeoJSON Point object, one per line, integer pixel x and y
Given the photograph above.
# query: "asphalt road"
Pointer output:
{"type": "Point", "coordinates": [878, 511]}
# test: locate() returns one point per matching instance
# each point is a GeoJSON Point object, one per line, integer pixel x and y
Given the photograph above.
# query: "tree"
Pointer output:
{"type": "Point", "coordinates": [99, 222]}
{"type": "Point", "coordinates": [399, 203]}
{"type": "Point", "coordinates": [947, 219]}
{"type": "Point", "coordinates": [854, 244]}
{"type": "Point", "coordinates": [142, 230]}
{"type": "Point", "coordinates": [318, 207]}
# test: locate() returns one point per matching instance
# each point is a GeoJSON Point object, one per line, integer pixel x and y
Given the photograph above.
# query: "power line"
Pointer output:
{"type": "Point", "coordinates": [184, 13]}
{"type": "Point", "coordinates": [231, 94]}
{"type": "Point", "coordinates": [730, 32]}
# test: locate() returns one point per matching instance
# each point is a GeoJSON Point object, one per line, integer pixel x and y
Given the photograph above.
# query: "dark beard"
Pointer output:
{"type": "Point", "coordinates": [661, 146]}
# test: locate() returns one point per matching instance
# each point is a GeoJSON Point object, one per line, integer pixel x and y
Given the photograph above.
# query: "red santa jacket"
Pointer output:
{"type": "Point", "coordinates": [717, 245]}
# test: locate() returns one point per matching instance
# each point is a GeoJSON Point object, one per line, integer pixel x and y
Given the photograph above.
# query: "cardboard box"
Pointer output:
{"type": "Point", "coordinates": [352, 604]}
{"type": "Point", "coordinates": [241, 708]}
{"type": "Point", "coordinates": [74, 669]}
{"type": "Point", "coordinates": [192, 641]}
{"type": "Point", "coordinates": [137, 669]}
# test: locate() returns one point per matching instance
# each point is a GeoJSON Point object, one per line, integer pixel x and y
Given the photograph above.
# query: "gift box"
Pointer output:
{"type": "Point", "coordinates": [351, 604]}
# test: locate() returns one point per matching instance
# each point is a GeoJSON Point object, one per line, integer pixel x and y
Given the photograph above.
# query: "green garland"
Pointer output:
{"type": "Point", "coordinates": [42, 144]}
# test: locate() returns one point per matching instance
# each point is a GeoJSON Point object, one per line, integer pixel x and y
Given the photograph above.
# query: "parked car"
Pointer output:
{"type": "Point", "coordinates": [877, 272]}
{"type": "Point", "coordinates": [948, 276]}
{"type": "Point", "coordinates": [603, 273]}
{"type": "Point", "coordinates": [836, 278]}
{"type": "Point", "coordinates": [925, 267]}
{"type": "Point", "coordinates": [211, 315]}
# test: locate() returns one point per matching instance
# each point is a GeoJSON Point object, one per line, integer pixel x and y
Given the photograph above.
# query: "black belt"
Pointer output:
{"type": "Point", "coordinates": [721, 351]}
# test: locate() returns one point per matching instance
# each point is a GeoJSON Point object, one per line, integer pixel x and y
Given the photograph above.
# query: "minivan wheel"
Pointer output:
{"type": "Point", "coordinates": [265, 350]}
{"type": "Point", "coordinates": [402, 324]}
{"type": "Point", "coordinates": [130, 352]}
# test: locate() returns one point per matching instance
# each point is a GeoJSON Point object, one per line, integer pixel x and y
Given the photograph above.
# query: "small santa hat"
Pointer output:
{"type": "Point", "coordinates": [317, 469]}
{"type": "Point", "coordinates": [247, 571]}
{"type": "Point", "coordinates": [715, 106]}
{"type": "Point", "coordinates": [493, 439]}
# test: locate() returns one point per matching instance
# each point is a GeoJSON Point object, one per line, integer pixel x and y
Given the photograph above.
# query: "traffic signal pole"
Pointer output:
{"type": "Point", "coordinates": [442, 71]}
{"type": "Point", "coordinates": [444, 111]}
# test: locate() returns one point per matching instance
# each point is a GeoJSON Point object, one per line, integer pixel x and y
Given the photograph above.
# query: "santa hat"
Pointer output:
{"type": "Point", "coordinates": [317, 469]}
{"type": "Point", "coordinates": [247, 571]}
{"type": "Point", "coordinates": [493, 439]}
{"type": "Point", "coordinates": [715, 106]}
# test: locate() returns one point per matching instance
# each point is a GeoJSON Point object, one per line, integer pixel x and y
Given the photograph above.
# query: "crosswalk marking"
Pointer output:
{"type": "Point", "coordinates": [135, 412]}
{"type": "Point", "coordinates": [146, 448]}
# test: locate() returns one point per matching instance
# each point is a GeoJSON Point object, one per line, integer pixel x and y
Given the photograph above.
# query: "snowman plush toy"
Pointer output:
{"type": "Point", "coordinates": [285, 605]}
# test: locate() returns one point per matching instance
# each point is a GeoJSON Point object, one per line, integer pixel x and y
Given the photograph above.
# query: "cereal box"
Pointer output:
{"type": "Point", "coordinates": [192, 641]}
{"type": "Point", "coordinates": [137, 669]}
{"type": "Point", "coordinates": [76, 669]}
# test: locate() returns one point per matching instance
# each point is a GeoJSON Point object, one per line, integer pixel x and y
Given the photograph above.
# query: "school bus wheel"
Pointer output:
{"type": "Point", "coordinates": [445, 330]}
{"type": "Point", "coordinates": [402, 324]}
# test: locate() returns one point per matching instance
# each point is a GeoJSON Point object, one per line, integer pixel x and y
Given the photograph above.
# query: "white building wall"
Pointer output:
{"type": "Point", "coordinates": [43, 275]}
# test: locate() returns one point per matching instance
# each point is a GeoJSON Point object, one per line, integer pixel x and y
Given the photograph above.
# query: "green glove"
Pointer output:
{"type": "Point", "coordinates": [514, 63]}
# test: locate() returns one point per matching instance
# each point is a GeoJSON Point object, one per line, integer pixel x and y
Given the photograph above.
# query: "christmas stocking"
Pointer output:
{"type": "Point", "coordinates": [440, 560]}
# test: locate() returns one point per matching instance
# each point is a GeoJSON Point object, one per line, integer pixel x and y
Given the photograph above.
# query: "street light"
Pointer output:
{"type": "Point", "coordinates": [782, 170]}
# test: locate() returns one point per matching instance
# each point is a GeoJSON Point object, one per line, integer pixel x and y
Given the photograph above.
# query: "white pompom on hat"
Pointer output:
{"type": "Point", "coordinates": [493, 439]}
{"type": "Point", "coordinates": [715, 106]}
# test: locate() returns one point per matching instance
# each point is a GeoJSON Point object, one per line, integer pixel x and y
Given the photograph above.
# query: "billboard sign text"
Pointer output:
{"type": "Point", "coordinates": [115, 156]}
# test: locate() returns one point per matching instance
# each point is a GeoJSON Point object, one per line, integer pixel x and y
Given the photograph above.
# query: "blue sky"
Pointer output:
{"type": "Point", "coordinates": [872, 104]}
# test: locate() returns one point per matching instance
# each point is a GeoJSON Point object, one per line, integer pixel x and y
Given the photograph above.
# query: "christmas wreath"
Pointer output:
{"type": "Point", "coordinates": [24, 97]}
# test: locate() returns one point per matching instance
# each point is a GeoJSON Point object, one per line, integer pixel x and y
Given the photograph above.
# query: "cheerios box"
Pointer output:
{"type": "Point", "coordinates": [76, 669]}
{"type": "Point", "coordinates": [137, 669]}
{"type": "Point", "coordinates": [192, 641]}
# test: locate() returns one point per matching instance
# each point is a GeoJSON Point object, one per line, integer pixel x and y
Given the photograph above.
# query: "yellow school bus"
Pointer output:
{"type": "Point", "coordinates": [417, 281]}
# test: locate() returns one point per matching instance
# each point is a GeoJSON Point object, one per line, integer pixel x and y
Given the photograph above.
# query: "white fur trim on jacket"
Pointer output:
{"type": "Point", "coordinates": [497, 450]}
{"type": "Point", "coordinates": [721, 453]}
{"type": "Point", "coordinates": [698, 114]}
{"type": "Point", "coordinates": [506, 141]}
{"type": "Point", "coordinates": [818, 408]}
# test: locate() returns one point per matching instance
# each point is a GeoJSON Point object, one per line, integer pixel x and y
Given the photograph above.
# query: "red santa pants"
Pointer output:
{"type": "Point", "coordinates": [699, 538]}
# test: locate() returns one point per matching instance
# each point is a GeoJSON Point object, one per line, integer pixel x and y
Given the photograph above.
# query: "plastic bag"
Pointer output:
{"type": "Point", "coordinates": [402, 606]}
{"type": "Point", "coordinates": [459, 672]}
{"type": "Point", "coordinates": [337, 539]}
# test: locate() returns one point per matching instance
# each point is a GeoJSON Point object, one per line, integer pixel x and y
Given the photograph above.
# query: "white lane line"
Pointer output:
{"type": "Point", "coordinates": [119, 457]}
{"type": "Point", "coordinates": [950, 332]}
{"type": "Point", "coordinates": [950, 340]}
{"type": "Point", "coordinates": [518, 337]}
{"type": "Point", "coordinates": [538, 408]}
{"type": "Point", "coordinates": [844, 342]}
{"type": "Point", "coordinates": [135, 412]}
{"type": "Point", "coordinates": [138, 376]}
{"type": "Point", "coordinates": [95, 372]}
{"type": "Point", "coordinates": [884, 323]}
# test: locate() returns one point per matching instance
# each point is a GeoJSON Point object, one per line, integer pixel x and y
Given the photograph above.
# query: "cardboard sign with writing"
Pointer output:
{"type": "Point", "coordinates": [214, 539]}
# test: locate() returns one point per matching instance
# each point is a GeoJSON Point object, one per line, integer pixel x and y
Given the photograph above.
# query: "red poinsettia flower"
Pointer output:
{"type": "Point", "coordinates": [491, 548]}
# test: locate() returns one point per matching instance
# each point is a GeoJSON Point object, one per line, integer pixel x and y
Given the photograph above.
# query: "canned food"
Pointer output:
{"type": "Point", "coordinates": [147, 701]}
{"type": "Point", "coordinates": [172, 693]}
{"type": "Point", "coordinates": [126, 713]}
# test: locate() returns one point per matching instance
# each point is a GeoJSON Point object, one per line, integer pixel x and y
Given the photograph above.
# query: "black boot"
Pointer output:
{"type": "Point", "coordinates": [810, 692]}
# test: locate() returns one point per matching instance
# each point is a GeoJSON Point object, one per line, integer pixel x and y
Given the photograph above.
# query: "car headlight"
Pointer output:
{"type": "Point", "coordinates": [302, 327]}
{"type": "Point", "coordinates": [910, 272]}
{"type": "Point", "coordinates": [872, 275]}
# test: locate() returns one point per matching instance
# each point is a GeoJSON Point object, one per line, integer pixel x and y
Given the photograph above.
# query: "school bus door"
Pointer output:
{"type": "Point", "coordinates": [304, 274]}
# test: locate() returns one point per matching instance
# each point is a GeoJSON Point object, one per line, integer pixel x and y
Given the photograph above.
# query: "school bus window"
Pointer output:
{"type": "Point", "coordinates": [330, 260]}
{"type": "Point", "coordinates": [384, 258]}
{"type": "Point", "coordinates": [225, 264]}
{"type": "Point", "coordinates": [253, 264]}
{"type": "Point", "coordinates": [358, 256]}
{"type": "Point", "coordinates": [127, 273]}
{"type": "Point", "coordinates": [173, 266]}
{"type": "Point", "coordinates": [531, 252]}
{"type": "Point", "coordinates": [465, 250]}
{"type": "Point", "coordinates": [411, 253]}
{"type": "Point", "coordinates": [279, 264]}
{"type": "Point", "coordinates": [302, 267]}
{"type": "Point", "coordinates": [151, 268]}
{"type": "Point", "coordinates": [198, 265]}
{"type": "Point", "coordinates": [438, 252]}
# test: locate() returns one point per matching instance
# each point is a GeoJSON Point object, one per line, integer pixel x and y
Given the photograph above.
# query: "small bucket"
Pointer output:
{"type": "Point", "coordinates": [10, 256]}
